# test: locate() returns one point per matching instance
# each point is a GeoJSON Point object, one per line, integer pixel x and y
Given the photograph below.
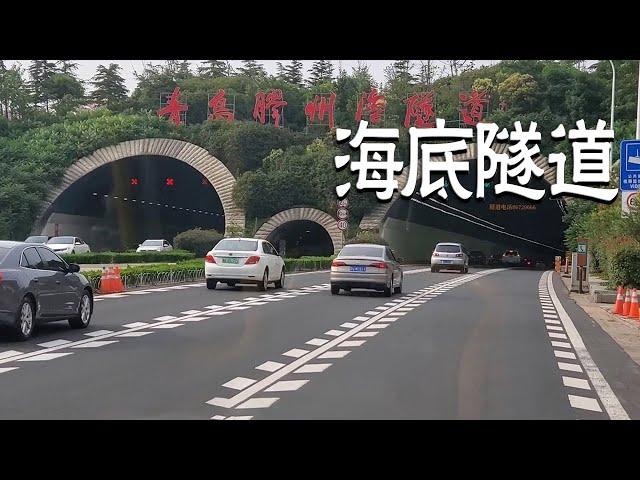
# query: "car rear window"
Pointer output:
{"type": "Point", "coordinates": [448, 248]}
{"type": "Point", "coordinates": [152, 243]}
{"type": "Point", "coordinates": [61, 240]}
{"type": "Point", "coordinates": [511, 253]}
{"type": "Point", "coordinates": [361, 251]}
{"type": "Point", "coordinates": [237, 245]}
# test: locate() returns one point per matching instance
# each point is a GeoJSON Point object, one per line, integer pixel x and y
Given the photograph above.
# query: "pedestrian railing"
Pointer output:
{"type": "Point", "coordinates": [156, 278]}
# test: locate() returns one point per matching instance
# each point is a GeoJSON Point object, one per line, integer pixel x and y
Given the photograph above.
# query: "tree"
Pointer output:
{"type": "Point", "coordinates": [429, 72]}
{"type": "Point", "coordinates": [66, 91]}
{"type": "Point", "coordinates": [40, 71]}
{"type": "Point", "coordinates": [321, 71]}
{"type": "Point", "coordinates": [213, 69]}
{"type": "Point", "coordinates": [67, 67]}
{"type": "Point", "coordinates": [457, 67]}
{"type": "Point", "coordinates": [14, 92]}
{"type": "Point", "coordinates": [252, 68]}
{"type": "Point", "coordinates": [400, 72]}
{"type": "Point", "coordinates": [109, 86]}
{"type": "Point", "coordinates": [292, 72]}
{"type": "Point", "coordinates": [518, 90]}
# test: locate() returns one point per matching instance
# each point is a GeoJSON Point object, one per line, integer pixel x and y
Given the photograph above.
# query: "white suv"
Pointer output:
{"type": "Point", "coordinates": [511, 257]}
{"type": "Point", "coordinates": [450, 256]}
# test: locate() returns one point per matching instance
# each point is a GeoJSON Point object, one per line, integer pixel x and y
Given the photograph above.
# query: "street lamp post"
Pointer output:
{"type": "Point", "coordinates": [613, 102]}
{"type": "Point", "coordinates": [638, 107]}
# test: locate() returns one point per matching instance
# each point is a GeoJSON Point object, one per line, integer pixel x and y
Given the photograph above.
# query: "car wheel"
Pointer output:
{"type": "Point", "coordinates": [25, 319]}
{"type": "Point", "coordinates": [264, 284]}
{"type": "Point", "coordinates": [398, 289]}
{"type": "Point", "coordinates": [85, 309]}
{"type": "Point", "coordinates": [434, 270]}
{"type": "Point", "coordinates": [280, 283]}
{"type": "Point", "coordinates": [211, 284]}
{"type": "Point", "coordinates": [231, 284]}
{"type": "Point", "coordinates": [388, 289]}
{"type": "Point", "coordinates": [335, 290]}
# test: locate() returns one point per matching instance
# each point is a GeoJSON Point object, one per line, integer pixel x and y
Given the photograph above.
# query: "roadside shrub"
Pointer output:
{"type": "Point", "coordinates": [367, 236]}
{"type": "Point", "coordinates": [197, 241]}
{"type": "Point", "coordinates": [307, 263]}
{"type": "Point", "coordinates": [129, 257]}
{"type": "Point", "coordinates": [624, 267]}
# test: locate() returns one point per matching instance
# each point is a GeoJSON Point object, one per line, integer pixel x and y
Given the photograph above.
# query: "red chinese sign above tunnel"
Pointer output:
{"type": "Point", "coordinates": [268, 108]}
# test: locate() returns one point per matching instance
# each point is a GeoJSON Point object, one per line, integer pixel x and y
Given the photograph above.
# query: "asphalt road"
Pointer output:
{"type": "Point", "coordinates": [492, 344]}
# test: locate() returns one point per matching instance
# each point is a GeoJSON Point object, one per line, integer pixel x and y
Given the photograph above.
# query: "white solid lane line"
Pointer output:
{"type": "Point", "coordinates": [43, 357]}
{"type": "Point", "coordinates": [608, 398]}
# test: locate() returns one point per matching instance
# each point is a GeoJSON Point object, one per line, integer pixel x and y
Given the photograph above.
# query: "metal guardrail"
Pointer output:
{"type": "Point", "coordinates": [156, 278]}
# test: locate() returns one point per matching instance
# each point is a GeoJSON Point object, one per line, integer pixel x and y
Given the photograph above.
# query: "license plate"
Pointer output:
{"type": "Point", "coordinates": [446, 261]}
{"type": "Point", "coordinates": [357, 268]}
{"type": "Point", "coordinates": [230, 260]}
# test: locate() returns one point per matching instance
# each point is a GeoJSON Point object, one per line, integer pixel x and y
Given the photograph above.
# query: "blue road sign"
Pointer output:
{"type": "Point", "coordinates": [629, 165]}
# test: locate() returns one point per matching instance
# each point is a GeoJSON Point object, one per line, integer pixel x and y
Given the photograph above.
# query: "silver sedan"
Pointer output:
{"type": "Point", "coordinates": [368, 266]}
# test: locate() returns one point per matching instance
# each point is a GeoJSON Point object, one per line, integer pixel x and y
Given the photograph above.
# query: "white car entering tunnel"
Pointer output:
{"type": "Point", "coordinates": [244, 260]}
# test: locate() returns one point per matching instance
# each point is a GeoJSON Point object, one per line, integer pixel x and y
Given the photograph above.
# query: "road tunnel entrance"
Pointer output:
{"type": "Point", "coordinates": [302, 238]}
{"type": "Point", "coordinates": [120, 204]}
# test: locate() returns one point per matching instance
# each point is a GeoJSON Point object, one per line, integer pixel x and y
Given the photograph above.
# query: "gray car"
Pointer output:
{"type": "Point", "coordinates": [37, 286]}
{"type": "Point", "coordinates": [366, 265]}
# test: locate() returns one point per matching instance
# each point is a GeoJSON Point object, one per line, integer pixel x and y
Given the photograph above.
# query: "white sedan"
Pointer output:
{"type": "Point", "coordinates": [154, 246]}
{"type": "Point", "coordinates": [244, 260]}
{"type": "Point", "coordinates": [66, 245]}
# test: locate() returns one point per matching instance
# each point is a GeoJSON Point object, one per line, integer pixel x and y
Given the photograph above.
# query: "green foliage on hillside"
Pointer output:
{"type": "Point", "coordinates": [43, 130]}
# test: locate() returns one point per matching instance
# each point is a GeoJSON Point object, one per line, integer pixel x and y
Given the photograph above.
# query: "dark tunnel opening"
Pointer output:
{"type": "Point", "coordinates": [121, 204]}
{"type": "Point", "coordinates": [301, 238]}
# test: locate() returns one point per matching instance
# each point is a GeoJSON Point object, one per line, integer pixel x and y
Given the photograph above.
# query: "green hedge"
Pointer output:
{"type": "Point", "coordinates": [291, 265]}
{"type": "Point", "coordinates": [624, 268]}
{"type": "Point", "coordinates": [307, 263]}
{"type": "Point", "coordinates": [129, 257]}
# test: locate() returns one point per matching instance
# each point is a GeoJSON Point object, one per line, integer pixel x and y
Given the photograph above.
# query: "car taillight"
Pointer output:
{"type": "Point", "coordinates": [252, 260]}
{"type": "Point", "coordinates": [338, 263]}
{"type": "Point", "coordinates": [436, 254]}
{"type": "Point", "coordinates": [1, 277]}
{"type": "Point", "coordinates": [458, 254]}
{"type": "Point", "coordinates": [210, 259]}
{"type": "Point", "coordinates": [378, 265]}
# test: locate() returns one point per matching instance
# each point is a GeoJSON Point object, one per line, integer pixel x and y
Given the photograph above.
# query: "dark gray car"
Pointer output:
{"type": "Point", "coordinates": [37, 286]}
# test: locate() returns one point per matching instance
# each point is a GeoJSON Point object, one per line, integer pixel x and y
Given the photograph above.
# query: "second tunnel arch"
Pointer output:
{"type": "Point", "coordinates": [323, 219]}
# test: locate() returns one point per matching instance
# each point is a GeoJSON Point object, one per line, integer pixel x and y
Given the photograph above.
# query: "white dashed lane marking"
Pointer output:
{"type": "Point", "coordinates": [9, 353]}
{"type": "Point", "coordinates": [334, 348]}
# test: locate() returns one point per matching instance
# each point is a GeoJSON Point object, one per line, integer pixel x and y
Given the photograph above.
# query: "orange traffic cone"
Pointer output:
{"type": "Point", "coordinates": [105, 280]}
{"type": "Point", "coordinates": [633, 309]}
{"type": "Point", "coordinates": [627, 303]}
{"type": "Point", "coordinates": [619, 300]}
{"type": "Point", "coordinates": [117, 281]}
